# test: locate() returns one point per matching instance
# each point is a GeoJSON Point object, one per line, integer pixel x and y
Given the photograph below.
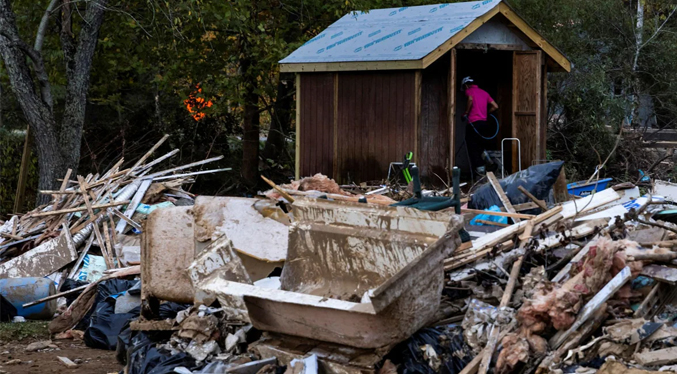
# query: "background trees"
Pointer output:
{"type": "Point", "coordinates": [117, 74]}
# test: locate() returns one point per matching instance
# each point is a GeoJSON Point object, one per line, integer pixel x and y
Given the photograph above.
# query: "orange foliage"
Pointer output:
{"type": "Point", "coordinates": [196, 105]}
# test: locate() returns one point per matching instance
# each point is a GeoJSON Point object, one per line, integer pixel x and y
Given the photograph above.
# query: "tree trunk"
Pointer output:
{"type": "Point", "coordinates": [37, 113]}
{"type": "Point", "coordinates": [79, 66]}
{"type": "Point", "coordinates": [280, 121]}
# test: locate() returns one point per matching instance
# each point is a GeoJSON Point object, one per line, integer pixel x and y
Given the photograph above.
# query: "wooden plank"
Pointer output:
{"type": "Point", "coordinates": [418, 86]}
{"type": "Point", "coordinates": [90, 210]}
{"type": "Point", "coordinates": [505, 300]}
{"type": "Point", "coordinates": [278, 189]}
{"type": "Point", "coordinates": [491, 223]}
{"type": "Point", "coordinates": [127, 219]}
{"type": "Point", "coordinates": [145, 156]}
{"type": "Point", "coordinates": [501, 195]}
{"type": "Point", "coordinates": [336, 129]}
{"type": "Point", "coordinates": [500, 214]}
{"type": "Point", "coordinates": [74, 269]}
{"type": "Point", "coordinates": [540, 203]}
{"type": "Point", "coordinates": [297, 145]}
{"type": "Point", "coordinates": [78, 209]}
{"type": "Point", "coordinates": [351, 66]}
{"type": "Point", "coordinates": [526, 100]}
{"type": "Point", "coordinates": [661, 273]}
{"type": "Point", "coordinates": [452, 109]}
{"type": "Point", "coordinates": [658, 357]}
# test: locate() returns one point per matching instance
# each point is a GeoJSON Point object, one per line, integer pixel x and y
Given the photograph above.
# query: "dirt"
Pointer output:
{"type": "Point", "coordinates": [14, 337]}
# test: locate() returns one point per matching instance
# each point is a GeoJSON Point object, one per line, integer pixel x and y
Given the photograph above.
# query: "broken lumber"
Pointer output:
{"type": "Point", "coordinates": [278, 189]}
{"type": "Point", "coordinates": [656, 358]}
{"type": "Point", "coordinates": [500, 214]}
{"type": "Point", "coordinates": [540, 203]}
{"type": "Point", "coordinates": [505, 300]}
{"type": "Point", "coordinates": [501, 196]}
{"type": "Point", "coordinates": [78, 209]}
{"type": "Point", "coordinates": [661, 273]}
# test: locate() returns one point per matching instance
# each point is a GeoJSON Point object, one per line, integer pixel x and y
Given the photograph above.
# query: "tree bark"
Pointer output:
{"type": "Point", "coordinates": [281, 118]}
{"type": "Point", "coordinates": [37, 113]}
{"type": "Point", "coordinates": [57, 148]}
{"type": "Point", "coordinates": [78, 70]}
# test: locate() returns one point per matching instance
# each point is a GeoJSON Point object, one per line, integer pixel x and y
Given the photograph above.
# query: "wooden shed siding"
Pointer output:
{"type": "Point", "coordinates": [317, 124]}
{"type": "Point", "coordinates": [376, 119]}
{"type": "Point", "coordinates": [434, 125]}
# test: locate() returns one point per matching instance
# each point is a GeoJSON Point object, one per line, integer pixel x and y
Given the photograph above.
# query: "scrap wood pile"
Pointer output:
{"type": "Point", "coordinates": [583, 286]}
{"type": "Point", "coordinates": [90, 231]}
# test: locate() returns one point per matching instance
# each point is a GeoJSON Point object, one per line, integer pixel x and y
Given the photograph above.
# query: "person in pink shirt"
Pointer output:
{"type": "Point", "coordinates": [478, 130]}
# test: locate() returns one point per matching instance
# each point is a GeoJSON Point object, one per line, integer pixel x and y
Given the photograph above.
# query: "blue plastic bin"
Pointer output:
{"type": "Point", "coordinates": [580, 188]}
{"type": "Point", "coordinates": [19, 291]}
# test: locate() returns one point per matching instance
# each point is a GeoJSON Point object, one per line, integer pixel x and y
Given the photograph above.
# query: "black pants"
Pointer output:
{"type": "Point", "coordinates": [475, 143]}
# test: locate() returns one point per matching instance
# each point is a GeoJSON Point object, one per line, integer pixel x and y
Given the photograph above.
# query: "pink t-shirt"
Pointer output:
{"type": "Point", "coordinates": [480, 102]}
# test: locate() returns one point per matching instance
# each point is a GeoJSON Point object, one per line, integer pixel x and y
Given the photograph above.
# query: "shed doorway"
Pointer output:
{"type": "Point", "coordinates": [513, 79]}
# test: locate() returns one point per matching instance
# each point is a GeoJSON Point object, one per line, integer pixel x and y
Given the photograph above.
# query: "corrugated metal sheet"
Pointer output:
{"type": "Point", "coordinates": [408, 33]}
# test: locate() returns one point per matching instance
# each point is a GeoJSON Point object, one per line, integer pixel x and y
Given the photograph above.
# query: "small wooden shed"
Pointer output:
{"type": "Point", "coordinates": [376, 85]}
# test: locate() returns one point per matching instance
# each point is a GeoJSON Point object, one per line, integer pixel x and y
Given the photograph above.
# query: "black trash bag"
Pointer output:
{"type": "Point", "coordinates": [171, 309]}
{"type": "Point", "coordinates": [448, 343]}
{"type": "Point", "coordinates": [144, 358]}
{"type": "Point", "coordinates": [537, 179]}
{"type": "Point", "coordinates": [70, 284]}
{"type": "Point", "coordinates": [105, 325]}
{"type": "Point", "coordinates": [7, 310]}
{"type": "Point", "coordinates": [111, 287]}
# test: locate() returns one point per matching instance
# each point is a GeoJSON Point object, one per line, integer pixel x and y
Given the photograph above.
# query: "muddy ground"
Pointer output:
{"type": "Point", "coordinates": [14, 337]}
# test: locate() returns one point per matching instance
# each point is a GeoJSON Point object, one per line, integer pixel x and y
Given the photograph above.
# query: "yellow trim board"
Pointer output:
{"type": "Point", "coordinates": [454, 40]}
{"type": "Point", "coordinates": [532, 34]}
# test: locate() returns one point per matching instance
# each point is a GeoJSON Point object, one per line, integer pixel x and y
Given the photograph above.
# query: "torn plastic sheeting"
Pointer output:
{"type": "Point", "coordinates": [447, 343]}
{"type": "Point", "coordinates": [537, 179]}
{"type": "Point", "coordinates": [144, 358]}
{"type": "Point", "coordinates": [92, 268]}
{"type": "Point", "coordinates": [105, 289]}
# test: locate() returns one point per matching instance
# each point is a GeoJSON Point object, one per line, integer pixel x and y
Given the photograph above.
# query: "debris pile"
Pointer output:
{"type": "Point", "coordinates": [311, 278]}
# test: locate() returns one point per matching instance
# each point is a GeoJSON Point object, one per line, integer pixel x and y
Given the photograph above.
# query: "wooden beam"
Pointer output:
{"type": "Point", "coordinates": [505, 300]}
{"type": "Point", "coordinates": [500, 214]}
{"type": "Point", "coordinates": [540, 203]}
{"type": "Point", "coordinates": [78, 209]}
{"type": "Point", "coordinates": [452, 109]}
{"type": "Point", "coordinates": [278, 189]}
{"type": "Point", "coordinates": [297, 155]}
{"type": "Point", "coordinates": [418, 85]}
{"type": "Point", "coordinates": [548, 48]}
{"type": "Point", "coordinates": [501, 195]}
{"type": "Point", "coordinates": [491, 223]}
{"type": "Point", "coordinates": [335, 114]}
{"type": "Point", "coordinates": [310, 67]}
{"type": "Point", "coordinates": [97, 232]}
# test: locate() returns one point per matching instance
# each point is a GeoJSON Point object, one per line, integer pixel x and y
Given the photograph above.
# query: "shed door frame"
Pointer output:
{"type": "Point", "coordinates": [526, 106]}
